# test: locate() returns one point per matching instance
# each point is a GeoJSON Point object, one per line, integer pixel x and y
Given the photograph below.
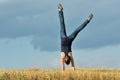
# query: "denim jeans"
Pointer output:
{"type": "Point", "coordinates": [66, 41]}
{"type": "Point", "coordinates": [63, 30]}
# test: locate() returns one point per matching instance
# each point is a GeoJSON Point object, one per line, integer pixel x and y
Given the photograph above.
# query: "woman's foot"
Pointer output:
{"type": "Point", "coordinates": [60, 8]}
{"type": "Point", "coordinates": [90, 16]}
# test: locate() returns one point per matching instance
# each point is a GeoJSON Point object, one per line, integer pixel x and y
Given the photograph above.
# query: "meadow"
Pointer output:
{"type": "Point", "coordinates": [78, 74]}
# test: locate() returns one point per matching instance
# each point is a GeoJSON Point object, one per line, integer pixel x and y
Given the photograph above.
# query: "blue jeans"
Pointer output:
{"type": "Point", "coordinates": [66, 41]}
{"type": "Point", "coordinates": [63, 30]}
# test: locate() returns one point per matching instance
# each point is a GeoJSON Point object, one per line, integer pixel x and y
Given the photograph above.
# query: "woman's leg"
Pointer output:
{"type": "Point", "coordinates": [62, 23]}
{"type": "Point", "coordinates": [74, 34]}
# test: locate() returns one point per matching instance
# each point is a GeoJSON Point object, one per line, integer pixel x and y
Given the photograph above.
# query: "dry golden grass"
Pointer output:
{"type": "Point", "coordinates": [79, 74]}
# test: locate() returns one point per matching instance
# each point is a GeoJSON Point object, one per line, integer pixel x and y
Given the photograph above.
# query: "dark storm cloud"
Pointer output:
{"type": "Point", "coordinates": [24, 18]}
{"type": "Point", "coordinates": [45, 43]}
{"type": "Point", "coordinates": [39, 18]}
{"type": "Point", "coordinates": [104, 29]}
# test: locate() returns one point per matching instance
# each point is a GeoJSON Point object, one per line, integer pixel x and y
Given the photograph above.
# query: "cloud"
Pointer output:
{"type": "Point", "coordinates": [46, 43]}
{"type": "Point", "coordinates": [24, 20]}
{"type": "Point", "coordinates": [19, 54]}
{"type": "Point", "coordinates": [39, 19]}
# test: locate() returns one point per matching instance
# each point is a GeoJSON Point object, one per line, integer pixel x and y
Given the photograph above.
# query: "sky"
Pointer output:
{"type": "Point", "coordinates": [30, 33]}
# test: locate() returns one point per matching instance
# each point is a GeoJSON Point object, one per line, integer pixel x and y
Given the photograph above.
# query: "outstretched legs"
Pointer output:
{"type": "Point", "coordinates": [74, 34]}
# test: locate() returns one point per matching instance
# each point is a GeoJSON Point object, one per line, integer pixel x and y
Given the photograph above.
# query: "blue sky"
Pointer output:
{"type": "Point", "coordinates": [29, 33]}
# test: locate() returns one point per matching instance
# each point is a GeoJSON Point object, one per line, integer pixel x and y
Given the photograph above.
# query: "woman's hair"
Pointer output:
{"type": "Point", "coordinates": [67, 59]}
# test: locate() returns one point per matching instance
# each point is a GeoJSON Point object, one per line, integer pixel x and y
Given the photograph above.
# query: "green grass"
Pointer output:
{"type": "Point", "coordinates": [79, 74]}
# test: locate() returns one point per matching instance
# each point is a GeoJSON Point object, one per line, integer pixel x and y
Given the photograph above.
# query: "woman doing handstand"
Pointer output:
{"type": "Point", "coordinates": [66, 41]}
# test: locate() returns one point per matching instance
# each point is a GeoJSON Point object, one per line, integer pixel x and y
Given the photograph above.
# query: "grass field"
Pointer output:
{"type": "Point", "coordinates": [79, 74]}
